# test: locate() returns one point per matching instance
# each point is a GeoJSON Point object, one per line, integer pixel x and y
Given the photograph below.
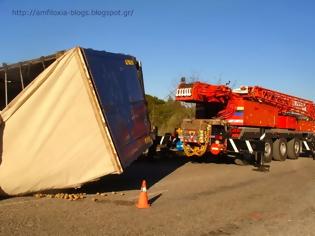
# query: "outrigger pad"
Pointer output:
{"type": "Point", "coordinates": [262, 168]}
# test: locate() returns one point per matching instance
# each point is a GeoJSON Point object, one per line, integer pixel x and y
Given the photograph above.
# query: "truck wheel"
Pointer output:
{"type": "Point", "coordinates": [294, 148]}
{"type": "Point", "coordinates": [280, 150]}
{"type": "Point", "coordinates": [268, 151]}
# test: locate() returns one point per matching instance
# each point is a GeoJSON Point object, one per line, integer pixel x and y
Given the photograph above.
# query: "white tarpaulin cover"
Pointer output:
{"type": "Point", "coordinates": [54, 134]}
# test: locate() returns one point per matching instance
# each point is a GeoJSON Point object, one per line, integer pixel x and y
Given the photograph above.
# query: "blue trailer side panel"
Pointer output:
{"type": "Point", "coordinates": [118, 81]}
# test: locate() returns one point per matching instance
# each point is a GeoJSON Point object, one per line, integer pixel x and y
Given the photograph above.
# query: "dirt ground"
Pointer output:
{"type": "Point", "coordinates": [188, 198]}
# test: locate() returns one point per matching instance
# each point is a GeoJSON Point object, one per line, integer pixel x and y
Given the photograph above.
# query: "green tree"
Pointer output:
{"type": "Point", "coordinates": [167, 115]}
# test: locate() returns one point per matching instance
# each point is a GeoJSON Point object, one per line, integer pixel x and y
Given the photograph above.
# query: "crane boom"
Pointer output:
{"type": "Point", "coordinates": [286, 104]}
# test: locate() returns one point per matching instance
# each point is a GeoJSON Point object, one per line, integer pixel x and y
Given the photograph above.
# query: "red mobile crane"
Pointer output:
{"type": "Point", "coordinates": [250, 119]}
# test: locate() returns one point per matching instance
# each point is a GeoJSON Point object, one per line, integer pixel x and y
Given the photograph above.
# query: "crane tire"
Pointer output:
{"type": "Point", "coordinates": [268, 150]}
{"type": "Point", "coordinates": [280, 149]}
{"type": "Point", "coordinates": [294, 146]}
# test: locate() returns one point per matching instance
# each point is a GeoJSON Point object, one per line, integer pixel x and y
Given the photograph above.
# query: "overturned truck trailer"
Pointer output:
{"type": "Point", "coordinates": [70, 118]}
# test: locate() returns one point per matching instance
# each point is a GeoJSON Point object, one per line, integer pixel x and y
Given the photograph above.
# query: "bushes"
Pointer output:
{"type": "Point", "coordinates": [167, 115]}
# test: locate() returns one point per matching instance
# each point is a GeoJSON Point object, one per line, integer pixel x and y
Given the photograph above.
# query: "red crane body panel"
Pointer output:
{"type": "Point", "coordinates": [304, 125]}
{"type": "Point", "coordinates": [249, 113]}
{"type": "Point", "coordinates": [202, 92]}
{"type": "Point", "coordinates": [287, 122]}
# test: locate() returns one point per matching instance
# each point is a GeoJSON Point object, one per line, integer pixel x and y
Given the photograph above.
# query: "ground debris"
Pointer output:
{"type": "Point", "coordinates": [66, 196]}
{"type": "Point", "coordinates": [39, 195]}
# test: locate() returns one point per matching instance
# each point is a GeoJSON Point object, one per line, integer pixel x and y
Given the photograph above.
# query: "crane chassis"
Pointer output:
{"type": "Point", "coordinates": [266, 124]}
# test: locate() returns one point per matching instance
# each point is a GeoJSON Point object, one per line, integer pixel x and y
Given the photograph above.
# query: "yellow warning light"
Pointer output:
{"type": "Point", "coordinates": [129, 62]}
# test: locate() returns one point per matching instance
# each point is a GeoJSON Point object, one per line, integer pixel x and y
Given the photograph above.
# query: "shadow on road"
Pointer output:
{"type": "Point", "coordinates": [213, 159]}
{"type": "Point", "coordinates": [152, 170]}
{"type": "Point", "coordinates": [153, 199]}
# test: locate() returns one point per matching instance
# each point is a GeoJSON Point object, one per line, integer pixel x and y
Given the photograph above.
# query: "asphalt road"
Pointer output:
{"type": "Point", "coordinates": [187, 198]}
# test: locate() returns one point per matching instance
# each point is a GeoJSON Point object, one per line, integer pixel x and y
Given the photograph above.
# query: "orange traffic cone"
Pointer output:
{"type": "Point", "coordinates": [143, 201]}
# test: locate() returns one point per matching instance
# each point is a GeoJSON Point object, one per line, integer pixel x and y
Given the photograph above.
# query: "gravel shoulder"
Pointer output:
{"type": "Point", "coordinates": [188, 198]}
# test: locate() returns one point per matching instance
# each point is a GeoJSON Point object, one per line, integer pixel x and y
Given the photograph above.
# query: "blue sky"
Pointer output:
{"type": "Point", "coordinates": [249, 42]}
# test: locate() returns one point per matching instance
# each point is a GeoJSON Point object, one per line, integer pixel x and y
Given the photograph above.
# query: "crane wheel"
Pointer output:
{"type": "Point", "coordinates": [294, 146]}
{"type": "Point", "coordinates": [268, 151]}
{"type": "Point", "coordinates": [280, 149]}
